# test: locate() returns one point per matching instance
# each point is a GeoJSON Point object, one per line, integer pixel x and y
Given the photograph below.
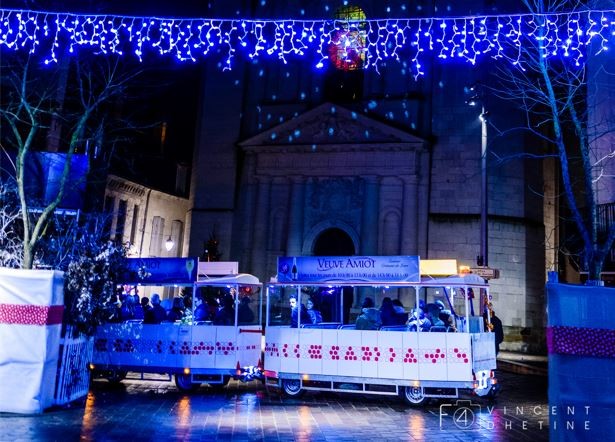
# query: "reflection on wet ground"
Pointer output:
{"type": "Point", "coordinates": [156, 410]}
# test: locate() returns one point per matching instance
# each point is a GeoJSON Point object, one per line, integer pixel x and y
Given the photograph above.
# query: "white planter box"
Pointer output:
{"type": "Point", "coordinates": [31, 309]}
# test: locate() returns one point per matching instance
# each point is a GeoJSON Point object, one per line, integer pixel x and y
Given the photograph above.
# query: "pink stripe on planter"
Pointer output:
{"type": "Point", "coordinates": [31, 314]}
{"type": "Point", "coordinates": [579, 341]}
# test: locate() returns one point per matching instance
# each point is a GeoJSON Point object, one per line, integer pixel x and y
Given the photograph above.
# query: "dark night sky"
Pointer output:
{"type": "Point", "coordinates": [168, 90]}
{"type": "Point", "coordinates": [167, 93]}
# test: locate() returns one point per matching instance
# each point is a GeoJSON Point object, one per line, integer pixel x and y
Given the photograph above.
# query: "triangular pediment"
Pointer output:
{"type": "Point", "coordinates": [330, 124]}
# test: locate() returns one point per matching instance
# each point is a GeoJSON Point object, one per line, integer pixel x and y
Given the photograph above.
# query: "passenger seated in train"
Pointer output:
{"type": "Point", "coordinates": [401, 317]}
{"type": "Point", "coordinates": [369, 319]}
{"type": "Point", "coordinates": [315, 316]}
{"type": "Point", "coordinates": [433, 314]}
{"type": "Point", "coordinates": [157, 313]}
{"type": "Point", "coordinates": [137, 309]}
{"type": "Point", "coordinates": [113, 309]}
{"type": "Point", "coordinates": [418, 320]}
{"type": "Point", "coordinates": [387, 312]}
{"type": "Point", "coordinates": [392, 312]}
{"type": "Point", "coordinates": [294, 313]}
{"type": "Point", "coordinates": [201, 313]}
{"type": "Point", "coordinates": [245, 315]}
{"type": "Point", "coordinates": [127, 307]}
{"type": "Point", "coordinates": [226, 313]}
{"type": "Point", "coordinates": [446, 316]}
{"type": "Point", "coordinates": [145, 305]}
{"type": "Point", "coordinates": [178, 310]}
{"type": "Point", "coordinates": [212, 308]}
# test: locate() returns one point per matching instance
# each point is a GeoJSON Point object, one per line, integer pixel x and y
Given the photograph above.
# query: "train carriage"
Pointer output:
{"type": "Point", "coordinates": [193, 351]}
{"type": "Point", "coordinates": [405, 359]}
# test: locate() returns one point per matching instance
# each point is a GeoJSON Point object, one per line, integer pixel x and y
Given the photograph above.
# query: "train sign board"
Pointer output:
{"type": "Point", "coordinates": [486, 272]}
{"type": "Point", "coordinates": [319, 269]}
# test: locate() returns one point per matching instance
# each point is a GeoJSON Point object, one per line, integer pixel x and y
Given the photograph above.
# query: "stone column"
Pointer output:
{"type": "Point", "coordinates": [248, 212]}
{"type": "Point", "coordinates": [409, 231]}
{"type": "Point", "coordinates": [260, 227]}
{"type": "Point", "coordinates": [294, 242]}
{"type": "Point", "coordinates": [423, 203]}
{"type": "Point", "coordinates": [369, 218]}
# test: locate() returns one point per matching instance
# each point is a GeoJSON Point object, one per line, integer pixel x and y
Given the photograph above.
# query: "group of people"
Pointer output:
{"type": "Point", "coordinates": [125, 307]}
{"type": "Point", "coordinates": [223, 312]}
{"type": "Point", "coordinates": [309, 314]}
{"type": "Point", "coordinates": [392, 313]}
{"type": "Point", "coordinates": [427, 316]}
{"type": "Point", "coordinates": [424, 318]}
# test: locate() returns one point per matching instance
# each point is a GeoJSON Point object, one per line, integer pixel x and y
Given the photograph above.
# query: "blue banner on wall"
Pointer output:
{"type": "Point", "coordinates": [385, 269]}
{"type": "Point", "coordinates": [43, 176]}
{"type": "Point", "coordinates": [160, 271]}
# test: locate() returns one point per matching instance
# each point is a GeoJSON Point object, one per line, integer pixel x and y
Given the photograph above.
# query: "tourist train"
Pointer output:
{"type": "Point", "coordinates": [433, 342]}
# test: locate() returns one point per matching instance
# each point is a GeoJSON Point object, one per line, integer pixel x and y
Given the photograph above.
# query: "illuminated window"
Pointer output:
{"type": "Point", "coordinates": [344, 78]}
{"type": "Point", "coordinates": [347, 48]}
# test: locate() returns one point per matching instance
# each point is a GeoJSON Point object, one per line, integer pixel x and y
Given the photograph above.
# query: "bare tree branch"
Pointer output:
{"type": "Point", "coordinates": [553, 94]}
{"type": "Point", "coordinates": [28, 105]}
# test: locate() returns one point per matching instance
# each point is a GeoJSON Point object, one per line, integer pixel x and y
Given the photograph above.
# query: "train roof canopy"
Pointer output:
{"type": "Point", "coordinates": [459, 280]}
{"type": "Point", "coordinates": [241, 278]}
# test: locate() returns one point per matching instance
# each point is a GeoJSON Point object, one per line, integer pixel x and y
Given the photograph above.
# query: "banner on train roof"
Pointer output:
{"type": "Point", "coordinates": [376, 269]}
{"type": "Point", "coordinates": [160, 271]}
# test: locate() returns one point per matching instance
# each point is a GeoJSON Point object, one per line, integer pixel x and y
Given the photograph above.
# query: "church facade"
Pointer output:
{"type": "Point", "coordinates": [290, 160]}
{"type": "Point", "coordinates": [324, 193]}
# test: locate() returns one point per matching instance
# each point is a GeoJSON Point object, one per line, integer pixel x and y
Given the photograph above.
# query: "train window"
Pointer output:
{"type": "Point", "coordinates": [248, 312]}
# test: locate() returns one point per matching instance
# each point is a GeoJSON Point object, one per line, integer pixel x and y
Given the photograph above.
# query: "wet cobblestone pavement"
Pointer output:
{"type": "Point", "coordinates": [155, 410]}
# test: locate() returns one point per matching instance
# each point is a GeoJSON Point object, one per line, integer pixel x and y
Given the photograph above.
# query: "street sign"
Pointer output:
{"type": "Point", "coordinates": [486, 272]}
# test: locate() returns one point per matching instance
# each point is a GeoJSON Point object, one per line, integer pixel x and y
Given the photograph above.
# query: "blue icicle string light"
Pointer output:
{"type": "Point", "coordinates": [404, 39]}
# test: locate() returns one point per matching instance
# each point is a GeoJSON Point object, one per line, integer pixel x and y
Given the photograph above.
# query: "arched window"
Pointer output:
{"type": "Point", "coordinates": [333, 242]}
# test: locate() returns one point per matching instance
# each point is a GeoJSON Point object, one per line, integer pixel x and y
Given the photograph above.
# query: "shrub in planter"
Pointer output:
{"type": "Point", "coordinates": [89, 281]}
{"type": "Point", "coordinates": [38, 362]}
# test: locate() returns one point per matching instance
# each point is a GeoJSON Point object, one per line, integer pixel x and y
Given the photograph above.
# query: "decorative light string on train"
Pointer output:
{"type": "Point", "coordinates": [367, 43]}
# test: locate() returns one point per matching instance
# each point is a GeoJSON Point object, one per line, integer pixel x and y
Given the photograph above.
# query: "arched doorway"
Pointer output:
{"type": "Point", "coordinates": [334, 242]}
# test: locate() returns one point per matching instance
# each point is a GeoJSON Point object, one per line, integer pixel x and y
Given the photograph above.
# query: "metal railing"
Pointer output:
{"type": "Point", "coordinates": [73, 376]}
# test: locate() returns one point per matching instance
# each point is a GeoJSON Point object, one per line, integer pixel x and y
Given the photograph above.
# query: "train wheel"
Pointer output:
{"type": "Point", "coordinates": [414, 395]}
{"type": "Point", "coordinates": [116, 376]}
{"type": "Point", "coordinates": [184, 382]}
{"type": "Point", "coordinates": [292, 387]}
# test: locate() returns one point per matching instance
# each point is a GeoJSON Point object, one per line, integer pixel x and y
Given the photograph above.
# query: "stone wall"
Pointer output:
{"type": "Point", "coordinates": [514, 249]}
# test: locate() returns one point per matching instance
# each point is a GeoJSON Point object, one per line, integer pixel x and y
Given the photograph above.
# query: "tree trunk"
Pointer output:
{"type": "Point", "coordinates": [28, 257]}
{"type": "Point", "coordinates": [594, 269]}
